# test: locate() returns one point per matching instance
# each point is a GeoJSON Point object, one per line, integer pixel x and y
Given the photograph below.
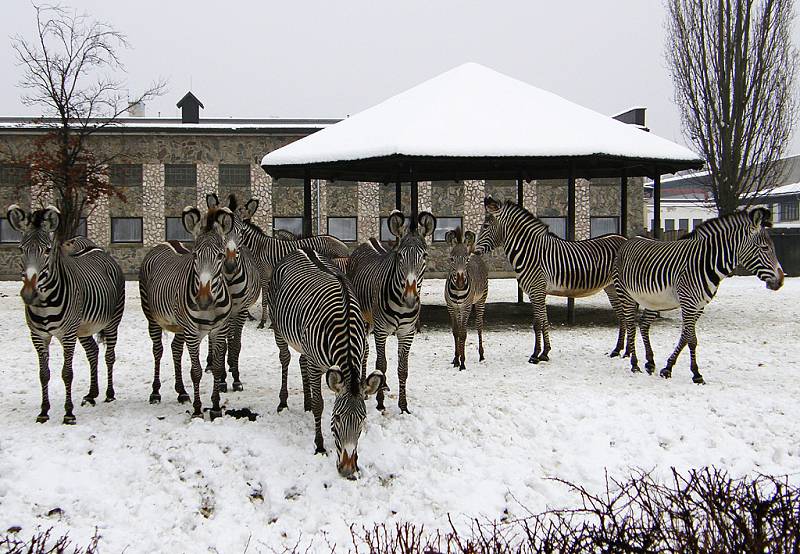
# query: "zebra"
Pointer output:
{"type": "Point", "coordinates": [315, 311]}
{"type": "Point", "coordinates": [686, 274]}
{"type": "Point", "coordinates": [467, 285]}
{"type": "Point", "coordinates": [268, 251]}
{"type": "Point", "coordinates": [185, 292]}
{"type": "Point", "coordinates": [244, 286]}
{"type": "Point", "coordinates": [387, 284]}
{"type": "Point", "coordinates": [547, 264]}
{"type": "Point", "coordinates": [72, 291]}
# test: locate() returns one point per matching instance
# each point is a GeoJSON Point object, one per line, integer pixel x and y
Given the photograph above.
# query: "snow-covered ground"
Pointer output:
{"type": "Point", "coordinates": [478, 443]}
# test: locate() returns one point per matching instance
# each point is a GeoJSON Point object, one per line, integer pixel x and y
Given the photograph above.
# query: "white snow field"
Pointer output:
{"type": "Point", "coordinates": [478, 443]}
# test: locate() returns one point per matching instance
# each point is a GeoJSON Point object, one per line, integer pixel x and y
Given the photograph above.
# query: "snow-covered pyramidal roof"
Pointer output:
{"type": "Point", "coordinates": [475, 112]}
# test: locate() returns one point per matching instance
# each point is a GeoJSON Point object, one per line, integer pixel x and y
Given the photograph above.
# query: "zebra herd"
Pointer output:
{"type": "Point", "coordinates": [323, 301]}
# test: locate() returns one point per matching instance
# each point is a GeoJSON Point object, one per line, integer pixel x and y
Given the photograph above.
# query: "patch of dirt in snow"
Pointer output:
{"type": "Point", "coordinates": [483, 442]}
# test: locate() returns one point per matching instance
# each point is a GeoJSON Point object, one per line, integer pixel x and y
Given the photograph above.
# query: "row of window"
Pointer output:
{"type": "Point", "coordinates": [683, 224]}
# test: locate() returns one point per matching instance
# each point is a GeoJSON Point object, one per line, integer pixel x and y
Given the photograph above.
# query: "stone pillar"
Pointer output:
{"type": "Point", "coordinates": [98, 223]}
{"type": "Point", "coordinates": [207, 182]}
{"type": "Point", "coordinates": [319, 206]}
{"type": "Point", "coordinates": [529, 196]}
{"type": "Point", "coordinates": [424, 198]}
{"type": "Point", "coordinates": [582, 209]}
{"type": "Point", "coordinates": [153, 223]}
{"type": "Point", "coordinates": [368, 211]}
{"type": "Point", "coordinates": [261, 189]}
{"type": "Point", "coordinates": [474, 193]}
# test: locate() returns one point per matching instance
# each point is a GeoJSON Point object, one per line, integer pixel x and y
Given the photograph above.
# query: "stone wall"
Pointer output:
{"type": "Point", "coordinates": [153, 223]}
{"type": "Point", "coordinates": [369, 202]}
{"type": "Point", "coordinates": [261, 189]}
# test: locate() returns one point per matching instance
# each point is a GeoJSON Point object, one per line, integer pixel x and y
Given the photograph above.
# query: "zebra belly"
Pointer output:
{"type": "Point", "coordinates": [168, 324]}
{"type": "Point", "coordinates": [656, 300]}
{"type": "Point", "coordinates": [574, 293]}
{"type": "Point", "coordinates": [89, 328]}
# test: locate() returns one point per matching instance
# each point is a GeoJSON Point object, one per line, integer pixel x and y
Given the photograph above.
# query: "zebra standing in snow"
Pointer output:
{"type": "Point", "coordinates": [314, 310]}
{"type": "Point", "coordinates": [268, 251]}
{"type": "Point", "coordinates": [467, 285]}
{"type": "Point", "coordinates": [244, 286]}
{"type": "Point", "coordinates": [387, 284]}
{"type": "Point", "coordinates": [547, 264]}
{"type": "Point", "coordinates": [71, 291]}
{"type": "Point", "coordinates": [686, 274]}
{"type": "Point", "coordinates": [185, 292]}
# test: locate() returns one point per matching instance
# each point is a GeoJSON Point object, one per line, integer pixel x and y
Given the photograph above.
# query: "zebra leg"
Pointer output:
{"type": "Point", "coordinates": [688, 320]}
{"type": "Point", "coordinates": [264, 301]}
{"type": "Point", "coordinates": [403, 349]}
{"type": "Point", "coordinates": [544, 356]}
{"type": "Point", "coordinates": [216, 340]}
{"type": "Point", "coordinates": [629, 307]}
{"type": "Point", "coordinates": [454, 328]}
{"type": "Point", "coordinates": [68, 344]}
{"type": "Point", "coordinates": [364, 360]}
{"type": "Point", "coordinates": [539, 315]}
{"type": "Point", "coordinates": [380, 363]}
{"type": "Point", "coordinates": [234, 343]}
{"type": "Point", "coordinates": [644, 326]}
{"type": "Point", "coordinates": [42, 345]}
{"type": "Point", "coordinates": [154, 331]}
{"type": "Point", "coordinates": [222, 346]}
{"type": "Point", "coordinates": [692, 341]}
{"type": "Point", "coordinates": [177, 354]}
{"type": "Point", "coordinates": [110, 337]}
{"type": "Point", "coordinates": [304, 373]}
{"type": "Point", "coordinates": [317, 404]}
{"type": "Point", "coordinates": [480, 307]}
{"type": "Point", "coordinates": [463, 336]}
{"type": "Point", "coordinates": [285, 357]}
{"type": "Point", "coordinates": [616, 305]}
{"type": "Point", "coordinates": [90, 347]}
{"type": "Point", "coordinates": [193, 344]}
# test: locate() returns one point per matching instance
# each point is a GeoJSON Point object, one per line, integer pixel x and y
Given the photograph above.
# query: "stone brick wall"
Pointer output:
{"type": "Point", "coordinates": [261, 188]}
{"type": "Point", "coordinates": [369, 203]}
{"type": "Point", "coordinates": [153, 223]}
{"type": "Point", "coordinates": [474, 193]}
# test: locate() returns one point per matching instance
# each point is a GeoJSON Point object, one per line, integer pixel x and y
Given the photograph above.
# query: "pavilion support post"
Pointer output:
{"type": "Point", "coordinates": [414, 201]}
{"type": "Point", "coordinates": [571, 234]}
{"type": "Point", "coordinates": [623, 205]}
{"type": "Point", "coordinates": [307, 219]}
{"type": "Point", "coordinates": [657, 205]}
{"type": "Point", "coordinates": [520, 202]}
{"type": "Point", "coordinates": [398, 197]}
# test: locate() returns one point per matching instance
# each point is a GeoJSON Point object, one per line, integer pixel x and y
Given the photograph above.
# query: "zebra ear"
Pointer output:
{"type": "Point", "coordinates": [372, 384]}
{"type": "Point", "coordinates": [469, 239]}
{"type": "Point", "coordinates": [450, 238]}
{"type": "Point", "coordinates": [51, 217]}
{"type": "Point", "coordinates": [427, 223]}
{"type": "Point", "coordinates": [191, 220]}
{"type": "Point", "coordinates": [396, 224]}
{"type": "Point", "coordinates": [212, 200]}
{"type": "Point", "coordinates": [19, 219]}
{"type": "Point", "coordinates": [224, 218]}
{"type": "Point", "coordinates": [335, 379]}
{"type": "Point", "coordinates": [491, 205]}
{"type": "Point", "coordinates": [761, 217]}
{"type": "Point", "coordinates": [251, 206]}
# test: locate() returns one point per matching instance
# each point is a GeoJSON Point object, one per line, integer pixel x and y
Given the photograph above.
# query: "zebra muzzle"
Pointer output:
{"type": "Point", "coordinates": [411, 293]}
{"type": "Point", "coordinates": [203, 297]}
{"type": "Point", "coordinates": [28, 292]}
{"type": "Point", "coordinates": [777, 282]}
{"type": "Point", "coordinates": [348, 464]}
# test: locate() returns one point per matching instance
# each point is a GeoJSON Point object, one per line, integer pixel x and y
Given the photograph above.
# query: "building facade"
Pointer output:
{"type": "Point", "coordinates": [167, 164]}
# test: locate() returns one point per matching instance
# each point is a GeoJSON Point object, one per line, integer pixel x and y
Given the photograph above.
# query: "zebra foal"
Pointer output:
{"type": "Point", "coordinates": [72, 291]}
{"type": "Point", "coordinates": [387, 284]}
{"type": "Point", "coordinates": [314, 311]}
{"type": "Point", "coordinates": [547, 264]}
{"type": "Point", "coordinates": [686, 273]}
{"type": "Point", "coordinates": [467, 286]}
{"type": "Point", "coordinates": [185, 292]}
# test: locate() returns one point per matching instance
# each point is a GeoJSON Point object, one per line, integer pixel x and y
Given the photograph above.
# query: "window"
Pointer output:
{"type": "Point", "coordinates": [234, 175]}
{"type": "Point", "coordinates": [180, 175]}
{"type": "Point", "coordinates": [126, 175]}
{"type": "Point", "coordinates": [291, 224]}
{"type": "Point", "coordinates": [175, 230]}
{"type": "Point", "coordinates": [386, 234]}
{"type": "Point", "coordinates": [696, 222]}
{"type": "Point", "coordinates": [603, 225]}
{"type": "Point", "coordinates": [343, 228]}
{"type": "Point", "coordinates": [789, 211]}
{"type": "Point", "coordinates": [13, 175]}
{"type": "Point", "coordinates": [126, 229]}
{"type": "Point", "coordinates": [7, 233]}
{"type": "Point", "coordinates": [669, 224]}
{"type": "Point", "coordinates": [558, 225]}
{"type": "Point", "coordinates": [443, 225]}
{"type": "Point", "coordinates": [683, 225]}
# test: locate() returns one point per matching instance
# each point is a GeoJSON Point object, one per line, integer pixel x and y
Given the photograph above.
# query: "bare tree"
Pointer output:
{"type": "Point", "coordinates": [68, 71]}
{"type": "Point", "coordinates": [733, 66]}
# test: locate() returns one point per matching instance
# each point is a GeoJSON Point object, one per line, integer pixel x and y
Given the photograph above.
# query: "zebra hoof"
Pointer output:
{"type": "Point", "coordinates": [636, 369]}
{"type": "Point", "coordinates": [613, 354]}
{"type": "Point", "coordinates": [197, 415]}
{"type": "Point", "coordinates": [650, 367]}
{"type": "Point", "coordinates": [404, 411]}
{"type": "Point", "coordinates": [380, 407]}
{"type": "Point", "coordinates": [260, 325]}
{"type": "Point", "coordinates": [462, 367]}
{"type": "Point", "coordinates": [110, 398]}
{"type": "Point", "coordinates": [87, 400]}
{"type": "Point", "coordinates": [214, 414]}
{"type": "Point", "coordinates": [155, 398]}
{"type": "Point", "coordinates": [223, 387]}
{"type": "Point", "coordinates": [698, 379]}
{"type": "Point", "coordinates": [544, 358]}
{"type": "Point", "coordinates": [69, 419]}
{"type": "Point", "coordinates": [320, 450]}
{"type": "Point", "coordinates": [282, 406]}
{"type": "Point", "coordinates": [208, 369]}
{"type": "Point", "coordinates": [237, 386]}
{"type": "Point", "coordinates": [481, 358]}
{"type": "Point", "coordinates": [665, 373]}
{"type": "Point", "coordinates": [183, 398]}
{"type": "Point", "coordinates": [533, 359]}
{"type": "Point", "coordinates": [42, 419]}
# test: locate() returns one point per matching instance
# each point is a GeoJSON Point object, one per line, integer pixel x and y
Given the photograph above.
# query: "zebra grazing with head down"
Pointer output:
{"type": "Point", "coordinates": [547, 264]}
{"type": "Point", "coordinates": [314, 311]}
{"type": "Point", "coordinates": [467, 286]}
{"type": "Point", "coordinates": [185, 292]}
{"type": "Point", "coordinates": [686, 274]}
{"type": "Point", "coordinates": [72, 291]}
{"type": "Point", "coordinates": [387, 284]}
{"type": "Point", "coordinates": [268, 251]}
{"type": "Point", "coordinates": [244, 286]}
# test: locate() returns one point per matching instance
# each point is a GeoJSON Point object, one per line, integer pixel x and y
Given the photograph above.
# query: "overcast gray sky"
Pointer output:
{"type": "Point", "coordinates": [328, 59]}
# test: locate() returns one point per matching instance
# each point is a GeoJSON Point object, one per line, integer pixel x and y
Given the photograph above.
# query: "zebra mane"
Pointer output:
{"type": "Point", "coordinates": [233, 203]}
{"type": "Point", "coordinates": [529, 217]}
{"type": "Point", "coordinates": [259, 230]}
{"type": "Point", "coordinates": [211, 219]}
{"type": "Point", "coordinates": [713, 225]}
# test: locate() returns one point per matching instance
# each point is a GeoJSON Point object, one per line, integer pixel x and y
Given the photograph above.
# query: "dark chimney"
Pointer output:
{"type": "Point", "coordinates": [190, 108]}
{"type": "Point", "coordinates": [634, 116]}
